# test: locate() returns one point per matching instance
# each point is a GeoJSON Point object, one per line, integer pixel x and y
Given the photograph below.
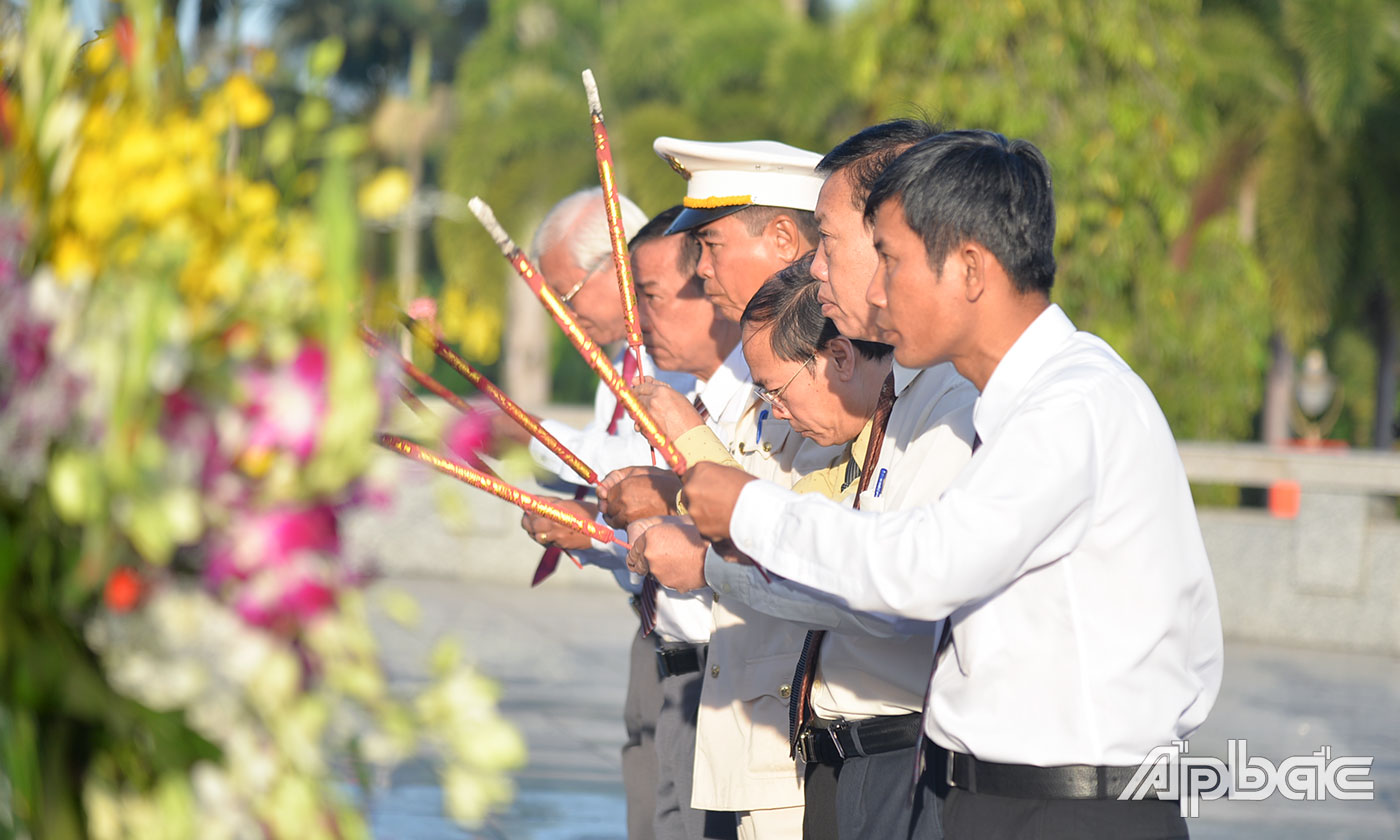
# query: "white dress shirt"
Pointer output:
{"type": "Point", "coordinates": [1085, 623]}
{"type": "Point", "coordinates": [679, 618]}
{"type": "Point", "coordinates": [872, 665]}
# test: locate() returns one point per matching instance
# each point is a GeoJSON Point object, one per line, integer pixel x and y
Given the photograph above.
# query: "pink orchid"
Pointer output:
{"type": "Point", "coordinates": [425, 309]}
{"type": "Point", "coordinates": [288, 405]}
{"type": "Point", "coordinates": [276, 565]}
{"type": "Point", "coordinates": [468, 436]}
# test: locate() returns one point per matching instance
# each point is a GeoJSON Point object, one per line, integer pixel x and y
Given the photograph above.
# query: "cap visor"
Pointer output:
{"type": "Point", "coordinates": [693, 217]}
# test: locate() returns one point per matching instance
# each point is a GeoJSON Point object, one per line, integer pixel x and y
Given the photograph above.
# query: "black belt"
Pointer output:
{"type": "Point", "coordinates": [834, 741]}
{"type": "Point", "coordinates": [1026, 781]}
{"type": "Point", "coordinates": [675, 661]}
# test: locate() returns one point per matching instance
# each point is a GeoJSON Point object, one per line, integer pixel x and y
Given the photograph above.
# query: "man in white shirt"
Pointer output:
{"type": "Point", "coordinates": [749, 205]}
{"type": "Point", "coordinates": [1066, 556]}
{"type": "Point", "coordinates": [683, 334]}
{"type": "Point", "coordinates": [860, 717]}
{"type": "Point", "coordinates": [573, 251]}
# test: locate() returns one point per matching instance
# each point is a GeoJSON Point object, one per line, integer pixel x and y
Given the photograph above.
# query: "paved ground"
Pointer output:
{"type": "Point", "coordinates": [560, 654]}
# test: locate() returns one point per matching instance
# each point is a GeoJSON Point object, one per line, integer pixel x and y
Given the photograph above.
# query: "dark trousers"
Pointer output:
{"type": "Point", "coordinates": [978, 815]}
{"type": "Point", "coordinates": [639, 712]}
{"type": "Point", "coordinates": [975, 816]}
{"type": "Point", "coordinates": [867, 797]}
{"type": "Point", "coordinates": [675, 756]}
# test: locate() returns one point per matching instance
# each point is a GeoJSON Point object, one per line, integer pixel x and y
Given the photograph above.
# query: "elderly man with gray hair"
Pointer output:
{"type": "Point", "coordinates": [573, 251]}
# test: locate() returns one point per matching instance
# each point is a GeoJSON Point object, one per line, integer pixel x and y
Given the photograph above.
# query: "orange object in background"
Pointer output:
{"type": "Point", "coordinates": [1285, 498]}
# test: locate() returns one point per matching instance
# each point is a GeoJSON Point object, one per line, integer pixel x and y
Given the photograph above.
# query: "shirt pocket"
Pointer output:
{"type": "Point", "coordinates": [767, 676]}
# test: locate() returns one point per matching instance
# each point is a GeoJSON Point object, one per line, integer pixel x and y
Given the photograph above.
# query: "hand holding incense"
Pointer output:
{"type": "Point", "coordinates": [499, 489]}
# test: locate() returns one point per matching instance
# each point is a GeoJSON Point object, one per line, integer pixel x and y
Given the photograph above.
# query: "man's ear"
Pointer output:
{"type": "Point", "coordinates": [976, 262]}
{"type": "Point", "coordinates": [786, 238]}
{"type": "Point", "coordinates": [843, 358]}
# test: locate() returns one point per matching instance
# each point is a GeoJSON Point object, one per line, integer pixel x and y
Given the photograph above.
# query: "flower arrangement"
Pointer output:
{"type": "Point", "coordinates": [185, 416]}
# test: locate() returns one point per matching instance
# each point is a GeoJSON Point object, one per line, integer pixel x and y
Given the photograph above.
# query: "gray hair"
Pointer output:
{"type": "Point", "coordinates": [582, 220]}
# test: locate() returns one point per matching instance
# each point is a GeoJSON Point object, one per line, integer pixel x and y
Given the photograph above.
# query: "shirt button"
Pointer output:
{"type": "Point", "coordinates": [767, 447]}
{"type": "Point", "coordinates": [785, 692]}
{"type": "Point", "coordinates": [714, 670]}
{"type": "Point", "coordinates": [743, 449]}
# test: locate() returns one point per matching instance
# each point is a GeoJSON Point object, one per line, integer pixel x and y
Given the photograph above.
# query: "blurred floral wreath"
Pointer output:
{"type": "Point", "coordinates": [185, 416]}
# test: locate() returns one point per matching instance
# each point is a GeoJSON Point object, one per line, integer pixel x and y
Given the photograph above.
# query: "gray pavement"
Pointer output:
{"type": "Point", "coordinates": [560, 654]}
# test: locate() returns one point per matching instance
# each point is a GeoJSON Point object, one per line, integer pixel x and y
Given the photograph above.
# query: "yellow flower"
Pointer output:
{"type": "Point", "coordinates": [257, 200]}
{"type": "Point", "coordinates": [386, 196]}
{"type": "Point", "coordinates": [251, 107]}
{"type": "Point", "coordinates": [99, 54]}
{"type": "Point", "coordinates": [72, 258]}
{"type": "Point", "coordinates": [162, 194]}
{"type": "Point", "coordinates": [138, 147]}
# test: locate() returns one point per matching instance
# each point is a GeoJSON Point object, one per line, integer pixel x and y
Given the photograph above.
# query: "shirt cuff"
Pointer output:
{"type": "Point", "coordinates": [753, 525]}
{"type": "Point", "coordinates": [702, 444]}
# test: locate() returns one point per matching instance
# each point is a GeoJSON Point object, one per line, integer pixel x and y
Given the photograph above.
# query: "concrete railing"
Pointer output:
{"type": "Point", "coordinates": [1329, 576]}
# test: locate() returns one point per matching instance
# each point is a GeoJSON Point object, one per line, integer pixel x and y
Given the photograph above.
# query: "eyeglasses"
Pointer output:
{"type": "Point", "coordinates": [592, 270]}
{"type": "Point", "coordinates": [774, 397]}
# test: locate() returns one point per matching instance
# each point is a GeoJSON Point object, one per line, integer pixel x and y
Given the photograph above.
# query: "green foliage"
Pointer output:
{"type": "Point", "coordinates": [1222, 169]}
{"type": "Point", "coordinates": [1103, 89]}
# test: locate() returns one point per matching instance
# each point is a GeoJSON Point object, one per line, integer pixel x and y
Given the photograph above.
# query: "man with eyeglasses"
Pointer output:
{"type": "Point", "coordinates": [749, 206]}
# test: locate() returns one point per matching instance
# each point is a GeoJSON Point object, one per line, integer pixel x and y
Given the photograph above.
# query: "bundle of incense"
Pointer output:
{"type": "Point", "coordinates": [496, 395]}
{"type": "Point", "coordinates": [586, 347]}
{"type": "Point", "coordinates": [622, 262]}
{"type": "Point", "coordinates": [500, 489]}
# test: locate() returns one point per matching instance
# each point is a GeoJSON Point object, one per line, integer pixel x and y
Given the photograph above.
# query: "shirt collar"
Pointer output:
{"type": "Point", "coordinates": [1037, 343]}
{"type": "Point", "coordinates": [904, 377]}
{"type": "Point", "coordinates": [730, 387]}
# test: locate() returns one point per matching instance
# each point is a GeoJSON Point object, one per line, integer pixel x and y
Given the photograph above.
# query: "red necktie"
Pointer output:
{"type": "Point", "coordinates": [800, 705]}
{"type": "Point", "coordinates": [550, 561]}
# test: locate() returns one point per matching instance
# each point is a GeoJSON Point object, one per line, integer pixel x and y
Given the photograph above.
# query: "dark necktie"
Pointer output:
{"type": "Point", "coordinates": [550, 560]}
{"type": "Point", "coordinates": [800, 704]}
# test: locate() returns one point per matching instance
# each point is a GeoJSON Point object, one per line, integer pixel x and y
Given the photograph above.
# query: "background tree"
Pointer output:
{"type": "Point", "coordinates": [1103, 89]}
{"type": "Point", "coordinates": [1308, 93]}
{"type": "Point", "coordinates": [723, 71]}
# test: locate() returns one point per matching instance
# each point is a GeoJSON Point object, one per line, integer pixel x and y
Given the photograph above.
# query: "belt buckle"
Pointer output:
{"type": "Point", "coordinates": [948, 768]}
{"type": "Point", "coordinates": [804, 745]}
{"type": "Point", "coordinates": [835, 731]}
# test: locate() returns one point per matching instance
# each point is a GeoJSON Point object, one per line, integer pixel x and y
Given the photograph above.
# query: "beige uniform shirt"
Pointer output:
{"type": "Point", "coordinates": [742, 761]}
{"type": "Point", "coordinates": [869, 666]}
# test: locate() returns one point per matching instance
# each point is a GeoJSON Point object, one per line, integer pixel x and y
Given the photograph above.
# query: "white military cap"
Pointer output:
{"type": "Point", "coordinates": [724, 178]}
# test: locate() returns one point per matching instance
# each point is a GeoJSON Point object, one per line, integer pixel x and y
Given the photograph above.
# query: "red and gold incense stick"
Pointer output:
{"type": "Point", "coordinates": [622, 262]}
{"type": "Point", "coordinates": [587, 348]}
{"type": "Point", "coordinates": [500, 489]}
{"type": "Point", "coordinates": [496, 395]}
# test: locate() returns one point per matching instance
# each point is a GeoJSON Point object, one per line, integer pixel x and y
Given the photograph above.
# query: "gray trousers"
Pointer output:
{"type": "Point", "coordinates": [639, 713]}
{"type": "Point", "coordinates": [675, 757]}
{"type": "Point", "coordinates": [868, 797]}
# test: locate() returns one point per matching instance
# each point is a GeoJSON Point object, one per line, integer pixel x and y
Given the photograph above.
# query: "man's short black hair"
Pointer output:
{"type": "Point", "coordinates": [788, 303]}
{"type": "Point", "coordinates": [977, 186]}
{"type": "Point", "coordinates": [757, 216]}
{"type": "Point", "coordinates": [865, 154]}
{"type": "Point", "coordinates": [689, 256]}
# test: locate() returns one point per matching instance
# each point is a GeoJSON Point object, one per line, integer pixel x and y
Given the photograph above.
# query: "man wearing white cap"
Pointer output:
{"type": "Point", "coordinates": [750, 206]}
